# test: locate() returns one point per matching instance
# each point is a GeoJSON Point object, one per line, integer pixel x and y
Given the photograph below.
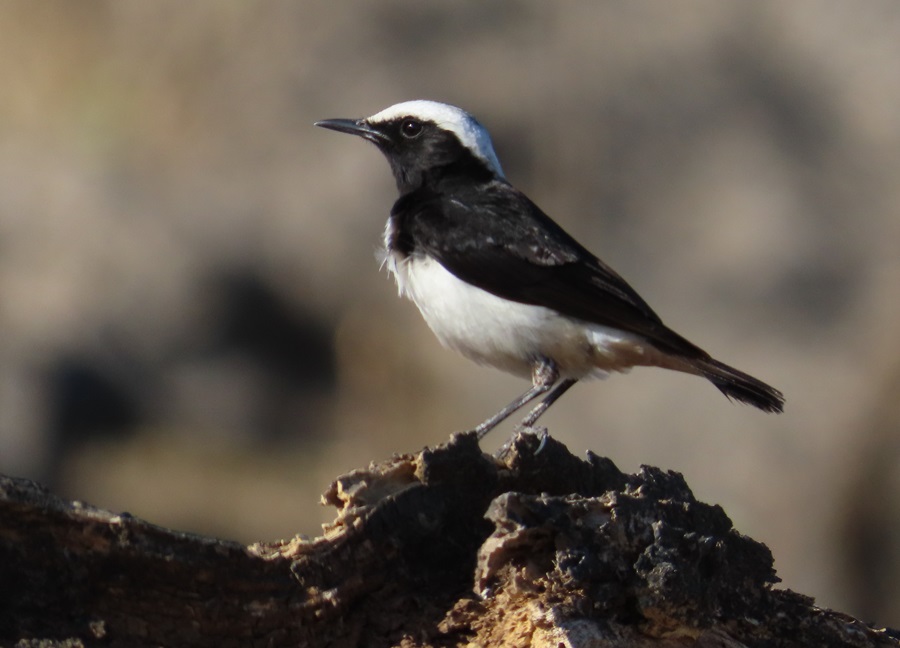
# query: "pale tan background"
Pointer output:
{"type": "Point", "coordinates": [195, 328]}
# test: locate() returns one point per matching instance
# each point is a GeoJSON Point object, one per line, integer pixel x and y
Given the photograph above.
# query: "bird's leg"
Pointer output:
{"type": "Point", "coordinates": [542, 407]}
{"type": "Point", "coordinates": [551, 398]}
{"type": "Point", "coordinates": [543, 376]}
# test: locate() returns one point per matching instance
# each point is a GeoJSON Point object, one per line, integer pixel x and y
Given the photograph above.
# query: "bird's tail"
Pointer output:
{"type": "Point", "coordinates": [741, 387]}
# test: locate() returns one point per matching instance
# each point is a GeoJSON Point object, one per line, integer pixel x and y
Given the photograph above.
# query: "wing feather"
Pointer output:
{"type": "Point", "coordinates": [501, 242]}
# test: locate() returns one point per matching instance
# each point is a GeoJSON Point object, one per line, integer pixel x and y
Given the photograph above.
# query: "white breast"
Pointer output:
{"type": "Point", "coordinates": [509, 335]}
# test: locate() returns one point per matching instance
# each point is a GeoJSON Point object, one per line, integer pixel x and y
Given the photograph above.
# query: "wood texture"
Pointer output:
{"type": "Point", "coordinates": [448, 547]}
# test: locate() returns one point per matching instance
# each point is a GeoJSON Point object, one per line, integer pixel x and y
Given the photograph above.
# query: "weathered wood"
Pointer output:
{"type": "Point", "coordinates": [444, 548]}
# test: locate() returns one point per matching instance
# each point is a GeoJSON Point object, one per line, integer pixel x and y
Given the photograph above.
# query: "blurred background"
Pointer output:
{"type": "Point", "coordinates": [195, 328]}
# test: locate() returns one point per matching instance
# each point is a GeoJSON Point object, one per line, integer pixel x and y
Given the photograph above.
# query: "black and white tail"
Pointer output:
{"type": "Point", "coordinates": [741, 387]}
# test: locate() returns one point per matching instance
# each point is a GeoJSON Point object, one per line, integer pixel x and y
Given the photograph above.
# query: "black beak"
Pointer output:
{"type": "Point", "coordinates": [355, 127]}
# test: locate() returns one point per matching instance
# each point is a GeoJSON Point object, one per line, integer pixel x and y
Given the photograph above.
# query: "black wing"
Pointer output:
{"type": "Point", "coordinates": [497, 239]}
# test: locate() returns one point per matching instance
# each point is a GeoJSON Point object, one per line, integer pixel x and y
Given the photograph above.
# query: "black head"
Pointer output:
{"type": "Point", "coordinates": [425, 137]}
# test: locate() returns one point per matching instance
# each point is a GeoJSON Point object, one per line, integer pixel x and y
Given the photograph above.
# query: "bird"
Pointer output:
{"type": "Point", "coordinates": [497, 280]}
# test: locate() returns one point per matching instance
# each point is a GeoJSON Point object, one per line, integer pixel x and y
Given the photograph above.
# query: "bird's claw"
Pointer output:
{"type": "Point", "coordinates": [540, 432]}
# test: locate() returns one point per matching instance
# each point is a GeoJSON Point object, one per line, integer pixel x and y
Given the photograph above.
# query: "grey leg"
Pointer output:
{"type": "Point", "coordinates": [551, 398]}
{"type": "Point", "coordinates": [543, 376]}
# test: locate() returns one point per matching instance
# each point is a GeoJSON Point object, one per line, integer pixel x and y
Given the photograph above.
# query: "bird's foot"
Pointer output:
{"type": "Point", "coordinates": [540, 433]}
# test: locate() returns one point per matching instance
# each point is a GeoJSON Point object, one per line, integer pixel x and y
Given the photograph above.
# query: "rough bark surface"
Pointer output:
{"type": "Point", "coordinates": [448, 547]}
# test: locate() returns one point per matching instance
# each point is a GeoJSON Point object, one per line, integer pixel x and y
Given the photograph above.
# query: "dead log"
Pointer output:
{"type": "Point", "coordinates": [448, 547]}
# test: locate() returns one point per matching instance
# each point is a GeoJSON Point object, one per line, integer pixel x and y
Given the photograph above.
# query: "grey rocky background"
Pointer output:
{"type": "Point", "coordinates": [195, 329]}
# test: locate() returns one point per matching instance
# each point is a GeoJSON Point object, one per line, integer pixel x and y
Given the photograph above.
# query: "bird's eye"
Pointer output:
{"type": "Point", "coordinates": [411, 128]}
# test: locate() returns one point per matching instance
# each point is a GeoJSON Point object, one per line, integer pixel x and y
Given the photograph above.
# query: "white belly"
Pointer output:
{"type": "Point", "coordinates": [509, 335]}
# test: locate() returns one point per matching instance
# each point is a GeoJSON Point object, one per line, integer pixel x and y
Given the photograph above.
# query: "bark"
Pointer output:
{"type": "Point", "coordinates": [448, 547]}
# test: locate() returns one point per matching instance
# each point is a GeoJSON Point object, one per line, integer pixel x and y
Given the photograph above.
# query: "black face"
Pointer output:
{"type": "Point", "coordinates": [415, 148]}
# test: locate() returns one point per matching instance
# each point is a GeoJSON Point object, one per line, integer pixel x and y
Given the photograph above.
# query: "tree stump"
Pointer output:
{"type": "Point", "coordinates": [448, 547]}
